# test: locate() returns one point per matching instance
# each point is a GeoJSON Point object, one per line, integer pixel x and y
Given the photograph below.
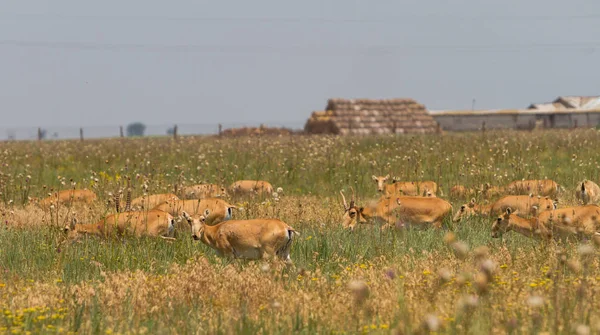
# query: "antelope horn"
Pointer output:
{"type": "Point", "coordinates": [117, 201]}
{"type": "Point", "coordinates": [344, 199]}
{"type": "Point", "coordinates": [128, 201]}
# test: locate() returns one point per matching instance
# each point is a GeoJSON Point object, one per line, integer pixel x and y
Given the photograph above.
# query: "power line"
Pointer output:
{"type": "Point", "coordinates": [391, 20]}
{"type": "Point", "coordinates": [315, 50]}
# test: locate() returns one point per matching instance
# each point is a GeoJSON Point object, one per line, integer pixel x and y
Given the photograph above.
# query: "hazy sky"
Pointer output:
{"type": "Point", "coordinates": [82, 63]}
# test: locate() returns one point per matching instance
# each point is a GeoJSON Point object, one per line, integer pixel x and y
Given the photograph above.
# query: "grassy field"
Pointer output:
{"type": "Point", "coordinates": [453, 281]}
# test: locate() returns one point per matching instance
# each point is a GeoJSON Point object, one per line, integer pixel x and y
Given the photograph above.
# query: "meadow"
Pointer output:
{"type": "Point", "coordinates": [457, 280]}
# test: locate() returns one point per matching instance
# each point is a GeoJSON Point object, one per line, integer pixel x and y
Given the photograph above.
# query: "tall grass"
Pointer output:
{"type": "Point", "coordinates": [455, 280]}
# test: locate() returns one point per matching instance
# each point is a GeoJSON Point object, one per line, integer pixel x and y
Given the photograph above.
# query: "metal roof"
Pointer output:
{"type": "Point", "coordinates": [512, 111]}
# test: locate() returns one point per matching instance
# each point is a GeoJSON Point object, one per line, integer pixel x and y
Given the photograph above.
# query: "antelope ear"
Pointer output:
{"type": "Point", "coordinates": [206, 212]}
{"type": "Point", "coordinates": [508, 211]}
{"type": "Point", "coordinates": [185, 215]}
{"type": "Point", "coordinates": [387, 176]}
{"type": "Point", "coordinates": [70, 226]}
{"type": "Point", "coordinates": [374, 177]}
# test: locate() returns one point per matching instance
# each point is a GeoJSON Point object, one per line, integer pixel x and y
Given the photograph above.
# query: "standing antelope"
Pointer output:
{"type": "Point", "coordinates": [558, 223]}
{"type": "Point", "coordinates": [523, 204]}
{"type": "Point", "coordinates": [152, 223]}
{"type": "Point", "coordinates": [245, 239]}
{"type": "Point", "coordinates": [532, 227]}
{"type": "Point", "coordinates": [420, 212]}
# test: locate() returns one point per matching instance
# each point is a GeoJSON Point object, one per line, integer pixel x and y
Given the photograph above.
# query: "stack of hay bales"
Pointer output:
{"type": "Point", "coordinates": [371, 117]}
{"type": "Point", "coordinates": [256, 131]}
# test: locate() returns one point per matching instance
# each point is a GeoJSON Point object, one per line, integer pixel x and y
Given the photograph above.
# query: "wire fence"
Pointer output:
{"type": "Point", "coordinates": [89, 132]}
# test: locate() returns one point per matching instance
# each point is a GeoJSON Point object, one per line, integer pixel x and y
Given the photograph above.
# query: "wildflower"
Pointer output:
{"type": "Point", "coordinates": [445, 275]}
{"type": "Point", "coordinates": [468, 302]}
{"type": "Point", "coordinates": [535, 301]}
{"type": "Point", "coordinates": [360, 290]}
{"type": "Point", "coordinates": [488, 267]}
{"type": "Point", "coordinates": [481, 252]}
{"type": "Point", "coordinates": [582, 330]}
{"type": "Point", "coordinates": [511, 324]}
{"type": "Point", "coordinates": [431, 323]}
{"type": "Point", "coordinates": [481, 283]}
{"type": "Point", "coordinates": [461, 249]}
{"type": "Point", "coordinates": [390, 274]}
{"type": "Point", "coordinates": [449, 238]}
{"type": "Point", "coordinates": [574, 265]}
{"type": "Point", "coordinates": [585, 250]}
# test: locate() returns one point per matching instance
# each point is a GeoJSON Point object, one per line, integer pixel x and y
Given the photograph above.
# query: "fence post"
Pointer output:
{"type": "Point", "coordinates": [39, 134]}
{"type": "Point", "coordinates": [175, 132]}
{"type": "Point", "coordinates": [81, 134]}
{"type": "Point", "coordinates": [220, 129]}
{"type": "Point", "coordinates": [121, 130]}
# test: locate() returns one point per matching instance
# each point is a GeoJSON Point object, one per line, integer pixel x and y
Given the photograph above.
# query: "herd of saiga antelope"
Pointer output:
{"type": "Point", "coordinates": [525, 206]}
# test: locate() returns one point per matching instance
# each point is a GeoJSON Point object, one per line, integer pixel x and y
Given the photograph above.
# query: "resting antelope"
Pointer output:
{"type": "Point", "coordinates": [251, 187]}
{"type": "Point", "coordinates": [468, 210]}
{"type": "Point", "coordinates": [68, 197]}
{"type": "Point", "coordinates": [488, 191]}
{"type": "Point", "coordinates": [461, 192]}
{"type": "Point", "coordinates": [149, 201]}
{"type": "Point", "coordinates": [204, 191]}
{"type": "Point", "coordinates": [245, 239]}
{"type": "Point", "coordinates": [152, 223]}
{"type": "Point", "coordinates": [408, 188]}
{"type": "Point", "coordinates": [544, 187]}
